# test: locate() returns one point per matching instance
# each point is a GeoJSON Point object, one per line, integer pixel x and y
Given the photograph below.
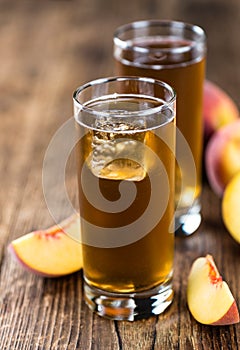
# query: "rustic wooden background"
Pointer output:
{"type": "Point", "coordinates": [47, 49]}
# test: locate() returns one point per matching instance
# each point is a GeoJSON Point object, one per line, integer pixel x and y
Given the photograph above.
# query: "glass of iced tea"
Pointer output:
{"type": "Point", "coordinates": [126, 175]}
{"type": "Point", "coordinates": [174, 52]}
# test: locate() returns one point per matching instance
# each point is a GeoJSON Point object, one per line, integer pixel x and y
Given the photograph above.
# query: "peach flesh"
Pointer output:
{"type": "Point", "coordinates": [209, 298]}
{"type": "Point", "coordinates": [50, 252]}
{"type": "Point", "coordinates": [231, 207]}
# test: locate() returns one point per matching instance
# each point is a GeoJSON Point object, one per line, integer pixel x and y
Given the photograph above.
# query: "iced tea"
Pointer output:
{"type": "Point", "coordinates": [180, 62]}
{"type": "Point", "coordinates": [126, 176]}
{"type": "Point", "coordinates": [148, 261]}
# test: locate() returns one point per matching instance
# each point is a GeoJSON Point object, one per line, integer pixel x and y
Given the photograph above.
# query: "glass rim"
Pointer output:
{"type": "Point", "coordinates": [156, 23]}
{"type": "Point", "coordinates": [140, 113]}
{"type": "Point", "coordinates": [126, 44]}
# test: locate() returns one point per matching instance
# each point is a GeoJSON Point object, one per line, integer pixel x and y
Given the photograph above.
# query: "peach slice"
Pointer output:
{"type": "Point", "coordinates": [218, 109]}
{"type": "Point", "coordinates": [222, 157]}
{"type": "Point", "coordinates": [231, 207]}
{"type": "Point", "coordinates": [52, 252]}
{"type": "Point", "coordinates": [209, 298]}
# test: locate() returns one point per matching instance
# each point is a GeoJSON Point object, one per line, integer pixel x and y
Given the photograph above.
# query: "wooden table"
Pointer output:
{"type": "Point", "coordinates": [48, 48]}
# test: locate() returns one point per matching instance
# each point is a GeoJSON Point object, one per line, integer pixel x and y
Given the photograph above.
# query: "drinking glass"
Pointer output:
{"type": "Point", "coordinates": [174, 52]}
{"type": "Point", "coordinates": [126, 167]}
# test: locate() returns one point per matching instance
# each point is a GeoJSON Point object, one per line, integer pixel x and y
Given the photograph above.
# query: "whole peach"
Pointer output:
{"type": "Point", "coordinates": [218, 109]}
{"type": "Point", "coordinates": [222, 156]}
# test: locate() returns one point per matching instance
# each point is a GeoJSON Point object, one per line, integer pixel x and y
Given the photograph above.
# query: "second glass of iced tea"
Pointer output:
{"type": "Point", "coordinates": [174, 52]}
{"type": "Point", "coordinates": [126, 167]}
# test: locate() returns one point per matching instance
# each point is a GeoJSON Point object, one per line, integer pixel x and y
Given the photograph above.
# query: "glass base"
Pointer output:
{"type": "Point", "coordinates": [129, 307]}
{"type": "Point", "coordinates": [187, 221]}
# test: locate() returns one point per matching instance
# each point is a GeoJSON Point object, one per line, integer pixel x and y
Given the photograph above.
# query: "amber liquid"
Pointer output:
{"type": "Point", "coordinates": [147, 262]}
{"type": "Point", "coordinates": [185, 73]}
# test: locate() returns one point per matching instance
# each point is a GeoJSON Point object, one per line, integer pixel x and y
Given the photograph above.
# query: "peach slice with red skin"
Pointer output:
{"type": "Point", "coordinates": [218, 109]}
{"type": "Point", "coordinates": [52, 252]}
{"type": "Point", "coordinates": [209, 298]}
{"type": "Point", "coordinates": [222, 156]}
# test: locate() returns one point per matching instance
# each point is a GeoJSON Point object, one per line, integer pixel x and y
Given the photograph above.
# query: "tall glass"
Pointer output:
{"type": "Point", "coordinates": [126, 167]}
{"type": "Point", "coordinates": [174, 52]}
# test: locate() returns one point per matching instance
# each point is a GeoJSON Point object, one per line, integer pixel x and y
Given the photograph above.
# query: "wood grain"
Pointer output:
{"type": "Point", "coordinates": [48, 48]}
